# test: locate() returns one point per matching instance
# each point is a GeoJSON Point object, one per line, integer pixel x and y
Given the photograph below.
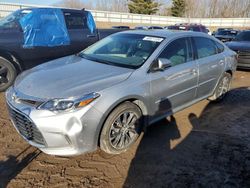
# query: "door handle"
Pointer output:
{"type": "Point", "coordinates": [221, 62]}
{"type": "Point", "coordinates": [194, 71]}
{"type": "Point", "coordinates": [91, 36]}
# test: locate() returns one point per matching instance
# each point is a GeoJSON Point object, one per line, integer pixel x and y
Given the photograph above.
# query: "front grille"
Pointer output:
{"type": "Point", "coordinates": [244, 54]}
{"type": "Point", "coordinates": [26, 127]}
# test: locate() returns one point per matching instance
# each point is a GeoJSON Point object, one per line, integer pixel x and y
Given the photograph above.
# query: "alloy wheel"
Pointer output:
{"type": "Point", "coordinates": [124, 130]}
{"type": "Point", "coordinates": [224, 86]}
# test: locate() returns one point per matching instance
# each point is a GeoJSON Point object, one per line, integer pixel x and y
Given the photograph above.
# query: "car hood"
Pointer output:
{"type": "Point", "coordinates": [70, 76]}
{"type": "Point", "coordinates": [238, 45]}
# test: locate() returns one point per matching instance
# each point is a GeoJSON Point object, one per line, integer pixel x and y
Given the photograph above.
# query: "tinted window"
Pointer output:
{"type": "Point", "coordinates": [205, 47]}
{"type": "Point", "coordinates": [173, 27]}
{"type": "Point", "coordinates": [227, 32]}
{"type": "Point", "coordinates": [243, 36]}
{"type": "Point", "coordinates": [178, 52]}
{"type": "Point", "coordinates": [155, 27]}
{"type": "Point", "coordinates": [75, 20]}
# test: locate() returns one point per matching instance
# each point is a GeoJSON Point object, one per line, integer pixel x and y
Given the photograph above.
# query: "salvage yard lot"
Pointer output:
{"type": "Point", "coordinates": [206, 145]}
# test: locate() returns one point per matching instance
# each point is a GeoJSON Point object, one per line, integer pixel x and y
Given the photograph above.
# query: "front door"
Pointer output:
{"type": "Point", "coordinates": [176, 86]}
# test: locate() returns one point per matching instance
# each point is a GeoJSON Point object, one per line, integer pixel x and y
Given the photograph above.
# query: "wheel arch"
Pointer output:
{"type": "Point", "coordinates": [137, 100]}
{"type": "Point", "coordinates": [229, 71]}
{"type": "Point", "coordinates": [13, 58]}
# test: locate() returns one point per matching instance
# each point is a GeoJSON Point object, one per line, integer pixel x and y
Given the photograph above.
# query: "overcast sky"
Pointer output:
{"type": "Point", "coordinates": [53, 2]}
{"type": "Point", "coordinates": [33, 2]}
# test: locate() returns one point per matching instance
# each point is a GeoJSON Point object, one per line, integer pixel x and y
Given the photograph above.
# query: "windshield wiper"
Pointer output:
{"type": "Point", "coordinates": [82, 55]}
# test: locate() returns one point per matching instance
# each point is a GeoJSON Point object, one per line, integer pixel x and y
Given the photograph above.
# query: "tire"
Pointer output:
{"type": "Point", "coordinates": [222, 88]}
{"type": "Point", "coordinates": [117, 136]}
{"type": "Point", "coordinates": [7, 74]}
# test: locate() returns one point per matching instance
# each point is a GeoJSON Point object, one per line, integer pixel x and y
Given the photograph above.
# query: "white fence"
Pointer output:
{"type": "Point", "coordinates": [139, 19]}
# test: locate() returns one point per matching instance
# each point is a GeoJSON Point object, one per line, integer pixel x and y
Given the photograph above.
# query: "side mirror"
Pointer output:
{"type": "Point", "coordinates": [161, 64]}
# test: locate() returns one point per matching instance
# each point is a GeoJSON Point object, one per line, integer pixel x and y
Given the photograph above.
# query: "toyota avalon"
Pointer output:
{"type": "Point", "coordinates": [107, 94]}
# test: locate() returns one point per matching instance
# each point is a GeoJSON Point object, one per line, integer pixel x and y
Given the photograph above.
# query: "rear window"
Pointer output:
{"type": "Point", "coordinates": [220, 47]}
{"type": "Point", "coordinates": [228, 32]}
{"type": "Point", "coordinates": [205, 47]}
{"type": "Point", "coordinates": [75, 20]}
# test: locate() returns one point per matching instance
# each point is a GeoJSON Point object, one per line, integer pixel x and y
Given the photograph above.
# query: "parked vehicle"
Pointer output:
{"type": "Point", "coordinates": [148, 27]}
{"type": "Point", "coordinates": [155, 27]}
{"type": "Point", "coordinates": [121, 27]}
{"type": "Point", "coordinates": [108, 93]}
{"type": "Point", "coordinates": [141, 28]}
{"type": "Point", "coordinates": [221, 29]}
{"type": "Point", "coordinates": [188, 27]}
{"type": "Point", "coordinates": [226, 35]}
{"type": "Point", "coordinates": [241, 45]}
{"type": "Point", "coordinates": [29, 37]}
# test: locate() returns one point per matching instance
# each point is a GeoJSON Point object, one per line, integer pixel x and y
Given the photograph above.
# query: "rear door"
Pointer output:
{"type": "Point", "coordinates": [175, 86]}
{"type": "Point", "coordinates": [211, 65]}
{"type": "Point", "coordinates": [80, 35]}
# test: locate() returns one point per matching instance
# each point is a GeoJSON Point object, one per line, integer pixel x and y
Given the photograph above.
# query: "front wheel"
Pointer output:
{"type": "Point", "coordinates": [7, 74]}
{"type": "Point", "coordinates": [121, 129]}
{"type": "Point", "coordinates": [222, 88]}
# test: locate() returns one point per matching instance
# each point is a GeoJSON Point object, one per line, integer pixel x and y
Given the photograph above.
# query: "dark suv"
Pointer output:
{"type": "Point", "coordinates": [241, 45]}
{"type": "Point", "coordinates": [29, 37]}
{"type": "Point", "coordinates": [188, 27]}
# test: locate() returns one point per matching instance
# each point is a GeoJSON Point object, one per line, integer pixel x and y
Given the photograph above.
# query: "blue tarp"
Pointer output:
{"type": "Point", "coordinates": [90, 22]}
{"type": "Point", "coordinates": [44, 27]}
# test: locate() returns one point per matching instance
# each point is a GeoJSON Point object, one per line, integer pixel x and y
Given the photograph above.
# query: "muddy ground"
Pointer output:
{"type": "Point", "coordinates": [206, 145]}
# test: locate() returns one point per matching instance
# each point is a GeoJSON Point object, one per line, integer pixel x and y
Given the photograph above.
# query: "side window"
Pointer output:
{"type": "Point", "coordinates": [220, 47]}
{"type": "Point", "coordinates": [75, 20]}
{"type": "Point", "coordinates": [178, 52]}
{"type": "Point", "coordinates": [205, 47]}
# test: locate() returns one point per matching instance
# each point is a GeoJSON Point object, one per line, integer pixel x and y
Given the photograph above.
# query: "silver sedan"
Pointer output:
{"type": "Point", "coordinates": [107, 94]}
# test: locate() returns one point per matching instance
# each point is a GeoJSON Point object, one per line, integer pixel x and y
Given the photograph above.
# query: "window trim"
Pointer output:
{"type": "Point", "coordinates": [196, 49]}
{"type": "Point", "coordinates": [217, 47]}
{"type": "Point", "coordinates": [191, 46]}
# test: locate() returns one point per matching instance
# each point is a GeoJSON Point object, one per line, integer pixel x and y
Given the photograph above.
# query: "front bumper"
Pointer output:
{"type": "Point", "coordinates": [63, 134]}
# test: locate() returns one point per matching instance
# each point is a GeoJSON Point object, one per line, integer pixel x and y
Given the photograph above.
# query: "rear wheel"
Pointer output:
{"type": "Point", "coordinates": [121, 129]}
{"type": "Point", "coordinates": [222, 88]}
{"type": "Point", "coordinates": [7, 74]}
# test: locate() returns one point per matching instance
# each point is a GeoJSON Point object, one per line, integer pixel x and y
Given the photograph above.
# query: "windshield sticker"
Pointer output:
{"type": "Point", "coordinates": [153, 39]}
{"type": "Point", "coordinates": [26, 11]}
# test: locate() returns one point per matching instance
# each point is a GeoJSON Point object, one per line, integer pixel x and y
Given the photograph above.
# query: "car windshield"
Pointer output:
{"type": "Point", "coordinates": [12, 20]}
{"type": "Point", "coordinates": [126, 50]}
{"type": "Point", "coordinates": [243, 36]}
{"type": "Point", "coordinates": [227, 32]}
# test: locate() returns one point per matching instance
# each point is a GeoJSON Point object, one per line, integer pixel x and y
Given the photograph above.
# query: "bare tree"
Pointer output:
{"type": "Point", "coordinates": [217, 8]}
{"type": "Point", "coordinates": [194, 8]}
{"type": "Point", "coordinates": [112, 5]}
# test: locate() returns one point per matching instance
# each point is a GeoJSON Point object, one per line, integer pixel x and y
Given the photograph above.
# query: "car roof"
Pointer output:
{"type": "Point", "coordinates": [61, 8]}
{"type": "Point", "coordinates": [165, 33]}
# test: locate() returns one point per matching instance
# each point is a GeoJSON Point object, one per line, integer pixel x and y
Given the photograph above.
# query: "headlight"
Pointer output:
{"type": "Point", "coordinates": [68, 104]}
